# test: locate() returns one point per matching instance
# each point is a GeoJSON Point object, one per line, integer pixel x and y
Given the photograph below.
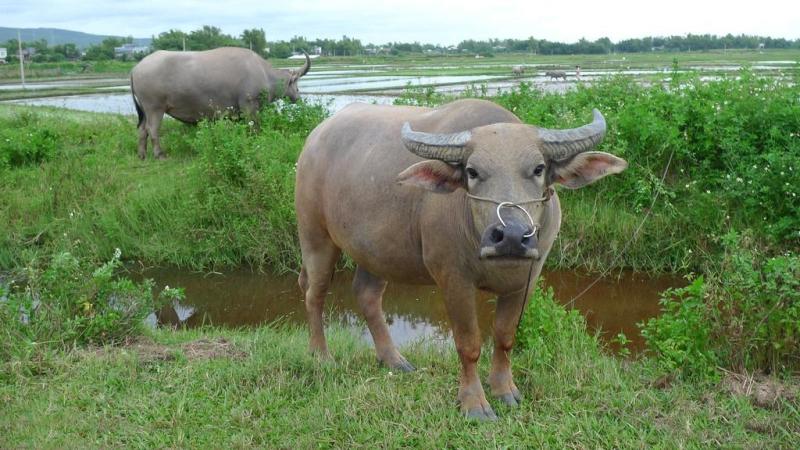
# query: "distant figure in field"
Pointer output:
{"type": "Point", "coordinates": [518, 71]}
{"type": "Point", "coordinates": [578, 72]}
{"type": "Point", "coordinates": [556, 74]}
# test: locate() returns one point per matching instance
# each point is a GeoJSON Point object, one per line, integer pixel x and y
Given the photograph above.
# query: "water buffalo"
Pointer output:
{"type": "Point", "coordinates": [556, 74]}
{"type": "Point", "coordinates": [190, 86]}
{"type": "Point", "coordinates": [459, 196]}
{"type": "Point", "coordinates": [518, 71]}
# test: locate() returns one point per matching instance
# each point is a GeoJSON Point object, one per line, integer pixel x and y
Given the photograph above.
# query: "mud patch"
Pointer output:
{"type": "Point", "coordinates": [149, 352]}
{"type": "Point", "coordinates": [763, 391]}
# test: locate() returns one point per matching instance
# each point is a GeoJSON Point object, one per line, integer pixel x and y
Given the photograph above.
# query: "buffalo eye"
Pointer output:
{"type": "Point", "coordinates": [472, 173]}
{"type": "Point", "coordinates": [538, 170]}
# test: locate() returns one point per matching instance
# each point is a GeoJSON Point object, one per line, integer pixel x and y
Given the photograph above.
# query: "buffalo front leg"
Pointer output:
{"type": "Point", "coordinates": [507, 315]}
{"type": "Point", "coordinates": [369, 293]}
{"type": "Point", "coordinates": [460, 304]}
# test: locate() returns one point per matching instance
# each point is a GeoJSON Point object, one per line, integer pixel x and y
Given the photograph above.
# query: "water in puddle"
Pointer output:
{"type": "Point", "coordinates": [244, 298]}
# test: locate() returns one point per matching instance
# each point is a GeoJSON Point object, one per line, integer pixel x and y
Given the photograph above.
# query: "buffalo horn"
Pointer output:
{"type": "Point", "coordinates": [303, 70]}
{"type": "Point", "coordinates": [563, 144]}
{"type": "Point", "coordinates": [444, 147]}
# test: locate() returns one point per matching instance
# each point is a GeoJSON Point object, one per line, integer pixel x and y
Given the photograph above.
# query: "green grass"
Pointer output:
{"type": "Point", "coordinates": [225, 196]}
{"type": "Point", "coordinates": [96, 195]}
{"type": "Point", "coordinates": [267, 391]}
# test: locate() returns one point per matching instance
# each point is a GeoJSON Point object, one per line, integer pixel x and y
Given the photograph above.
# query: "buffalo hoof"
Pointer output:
{"type": "Point", "coordinates": [513, 398]}
{"type": "Point", "coordinates": [482, 414]}
{"type": "Point", "coordinates": [401, 365]}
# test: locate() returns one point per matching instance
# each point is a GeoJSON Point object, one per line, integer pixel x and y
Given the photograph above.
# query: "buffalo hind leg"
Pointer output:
{"type": "Point", "coordinates": [506, 317]}
{"type": "Point", "coordinates": [460, 303]}
{"type": "Point", "coordinates": [153, 124]}
{"type": "Point", "coordinates": [319, 260]}
{"type": "Point", "coordinates": [143, 140]}
{"type": "Point", "coordinates": [369, 292]}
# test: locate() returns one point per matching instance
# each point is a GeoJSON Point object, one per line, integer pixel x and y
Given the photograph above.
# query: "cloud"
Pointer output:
{"type": "Point", "coordinates": [441, 21]}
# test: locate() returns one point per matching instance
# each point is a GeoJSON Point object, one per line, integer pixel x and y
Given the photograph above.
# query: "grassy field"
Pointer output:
{"type": "Point", "coordinates": [216, 388]}
{"type": "Point", "coordinates": [73, 191]}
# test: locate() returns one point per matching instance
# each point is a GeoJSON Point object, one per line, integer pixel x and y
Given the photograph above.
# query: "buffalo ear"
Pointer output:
{"type": "Point", "coordinates": [585, 168]}
{"type": "Point", "coordinates": [433, 175]}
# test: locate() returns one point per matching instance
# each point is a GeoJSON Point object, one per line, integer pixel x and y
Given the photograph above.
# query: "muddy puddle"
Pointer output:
{"type": "Point", "coordinates": [243, 298]}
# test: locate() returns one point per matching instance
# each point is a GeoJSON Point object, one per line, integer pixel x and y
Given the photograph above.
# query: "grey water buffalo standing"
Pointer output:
{"type": "Point", "coordinates": [556, 74]}
{"type": "Point", "coordinates": [191, 86]}
{"type": "Point", "coordinates": [460, 196]}
{"type": "Point", "coordinates": [518, 71]}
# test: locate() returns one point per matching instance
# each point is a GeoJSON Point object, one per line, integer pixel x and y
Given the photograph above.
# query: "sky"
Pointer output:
{"type": "Point", "coordinates": [445, 22]}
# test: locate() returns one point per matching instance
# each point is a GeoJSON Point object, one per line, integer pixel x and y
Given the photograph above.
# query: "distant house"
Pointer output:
{"type": "Point", "coordinates": [3, 54]}
{"type": "Point", "coordinates": [302, 56]}
{"type": "Point", "coordinates": [129, 50]}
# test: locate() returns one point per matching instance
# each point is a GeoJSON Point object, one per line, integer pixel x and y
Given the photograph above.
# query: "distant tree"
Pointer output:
{"type": "Point", "coordinates": [280, 49]}
{"type": "Point", "coordinates": [256, 40]}
{"type": "Point", "coordinates": [209, 37]}
{"type": "Point", "coordinates": [105, 50]}
{"type": "Point", "coordinates": [69, 50]}
{"type": "Point", "coordinates": [169, 40]}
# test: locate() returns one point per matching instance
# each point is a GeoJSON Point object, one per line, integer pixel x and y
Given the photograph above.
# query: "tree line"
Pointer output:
{"type": "Point", "coordinates": [208, 37]}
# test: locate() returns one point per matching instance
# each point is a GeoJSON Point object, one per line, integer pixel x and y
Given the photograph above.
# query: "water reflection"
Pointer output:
{"type": "Point", "coordinates": [244, 298]}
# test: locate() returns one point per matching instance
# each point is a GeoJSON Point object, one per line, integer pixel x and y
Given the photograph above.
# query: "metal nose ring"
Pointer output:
{"type": "Point", "coordinates": [514, 205]}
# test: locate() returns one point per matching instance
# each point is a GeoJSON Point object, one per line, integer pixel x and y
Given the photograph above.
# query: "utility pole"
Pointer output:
{"type": "Point", "coordinates": [21, 60]}
{"type": "Point", "coordinates": [184, 43]}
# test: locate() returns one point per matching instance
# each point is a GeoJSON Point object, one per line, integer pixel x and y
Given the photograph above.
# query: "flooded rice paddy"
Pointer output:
{"type": "Point", "coordinates": [336, 86]}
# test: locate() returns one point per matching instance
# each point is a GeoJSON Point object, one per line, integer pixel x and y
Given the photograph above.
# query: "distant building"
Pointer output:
{"type": "Point", "coordinates": [3, 54]}
{"type": "Point", "coordinates": [130, 50]}
{"type": "Point", "coordinates": [302, 56]}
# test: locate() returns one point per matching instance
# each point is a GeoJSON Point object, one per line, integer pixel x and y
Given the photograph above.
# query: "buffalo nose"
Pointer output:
{"type": "Point", "coordinates": [514, 239]}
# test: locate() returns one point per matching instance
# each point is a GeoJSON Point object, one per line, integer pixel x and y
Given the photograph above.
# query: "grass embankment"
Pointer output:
{"type": "Point", "coordinates": [225, 196]}
{"type": "Point", "coordinates": [261, 388]}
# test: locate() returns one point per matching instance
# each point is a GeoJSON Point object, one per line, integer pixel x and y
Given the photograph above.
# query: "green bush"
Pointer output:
{"type": "Point", "coordinates": [548, 330]}
{"type": "Point", "coordinates": [69, 302]}
{"type": "Point", "coordinates": [27, 140]}
{"type": "Point", "coordinates": [743, 315]}
{"type": "Point", "coordinates": [243, 186]}
{"type": "Point", "coordinates": [734, 144]}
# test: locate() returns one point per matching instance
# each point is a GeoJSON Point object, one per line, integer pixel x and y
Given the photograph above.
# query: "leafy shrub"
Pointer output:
{"type": "Point", "coordinates": [70, 302]}
{"type": "Point", "coordinates": [244, 185]}
{"type": "Point", "coordinates": [548, 330]}
{"type": "Point", "coordinates": [29, 140]}
{"type": "Point", "coordinates": [744, 315]}
{"type": "Point", "coordinates": [734, 143]}
{"type": "Point", "coordinates": [292, 119]}
{"type": "Point", "coordinates": [420, 96]}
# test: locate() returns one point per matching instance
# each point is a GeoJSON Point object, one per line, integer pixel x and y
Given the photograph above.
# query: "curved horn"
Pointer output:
{"type": "Point", "coordinates": [563, 144]}
{"type": "Point", "coordinates": [444, 147]}
{"type": "Point", "coordinates": [303, 70]}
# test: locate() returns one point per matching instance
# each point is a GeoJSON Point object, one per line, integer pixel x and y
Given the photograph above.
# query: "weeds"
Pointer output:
{"type": "Point", "coordinates": [743, 315]}
{"type": "Point", "coordinates": [67, 302]}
